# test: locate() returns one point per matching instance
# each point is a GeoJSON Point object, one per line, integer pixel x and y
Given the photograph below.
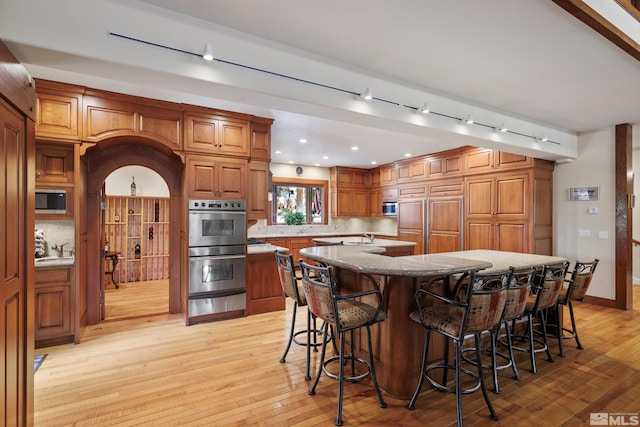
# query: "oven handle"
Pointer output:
{"type": "Point", "coordinates": [217, 294]}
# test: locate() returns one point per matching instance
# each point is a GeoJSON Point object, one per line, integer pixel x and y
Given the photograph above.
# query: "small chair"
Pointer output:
{"type": "Point", "coordinates": [344, 313]}
{"type": "Point", "coordinates": [545, 292]}
{"type": "Point", "coordinates": [290, 280]}
{"type": "Point", "coordinates": [578, 284]}
{"type": "Point", "coordinates": [476, 306]}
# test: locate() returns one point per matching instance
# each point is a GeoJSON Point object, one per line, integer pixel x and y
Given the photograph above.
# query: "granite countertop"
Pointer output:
{"type": "Point", "coordinates": [53, 261]}
{"type": "Point", "coordinates": [311, 233]}
{"type": "Point", "coordinates": [502, 260]}
{"type": "Point", "coordinates": [363, 241]}
{"type": "Point", "coordinates": [264, 248]}
{"type": "Point", "coordinates": [368, 259]}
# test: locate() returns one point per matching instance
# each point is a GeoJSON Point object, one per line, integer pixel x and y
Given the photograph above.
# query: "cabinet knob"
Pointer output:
{"type": "Point", "coordinates": [37, 174]}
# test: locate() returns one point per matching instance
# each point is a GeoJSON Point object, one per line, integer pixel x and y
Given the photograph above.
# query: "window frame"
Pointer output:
{"type": "Point", "coordinates": [300, 182]}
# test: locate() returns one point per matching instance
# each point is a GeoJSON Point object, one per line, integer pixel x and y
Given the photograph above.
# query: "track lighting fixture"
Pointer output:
{"type": "Point", "coordinates": [367, 94]}
{"type": "Point", "coordinates": [543, 138]}
{"type": "Point", "coordinates": [424, 109]}
{"type": "Point", "coordinates": [501, 128]}
{"type": "Point", "coordinates": [208, 52]}
{"type": "Point", "coordinates": [468, 120]}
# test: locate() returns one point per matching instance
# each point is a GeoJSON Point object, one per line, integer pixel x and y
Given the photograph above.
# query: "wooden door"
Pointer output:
{"type": "Point", "coordinates": [411, 223]}
{"type": "Point", "coordinates": [16, 335]}
{"type": "Point", "coordinates": [232, 179]}
{"type": "Point", "coordinates": [444, 224]}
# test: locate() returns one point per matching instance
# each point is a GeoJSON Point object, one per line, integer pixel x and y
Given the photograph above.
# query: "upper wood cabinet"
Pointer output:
{"type": "Point", "coordinates": [411, 170]}
{"type": "Point", "coordinates": [216, 135]}
{"type": "Point", "coordinates": [388, 175]}
{"type": "Point", "coordinates": [54, 164]}
{"type": "Point", "coordinates": [349, 192]}
{"type": "Point", "coordinates": [443, 166]}
{"type": "Point", "coordinates": [58, 111]}
{"type": "Point", "coordinates": [209, 177]}
{"type": "Point", "coordinates": [259, 185]}
{"type": "Point", "coordinates": [124, 116]}
{"type": "Point", "coordinates": [481, 160]}
{"type": "Point", "coordinates": [261, 140]}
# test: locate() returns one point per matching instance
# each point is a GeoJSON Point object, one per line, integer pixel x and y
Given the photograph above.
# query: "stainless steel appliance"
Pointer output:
{"type": "Point", "coordinates": [51, 201]}
{"type": "Point", "coordinates": [390, 208]}
{"type": "Point", "coordinates": [217, 259]}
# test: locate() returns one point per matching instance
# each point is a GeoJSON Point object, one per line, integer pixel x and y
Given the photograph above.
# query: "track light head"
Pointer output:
{"type": "Point", "coordinates": [501, 128]}
{"type": "Point", "coordinates": [367, 94]}
{"type": "Point", "coordinates": [208, 52]}
{"type": "Point", "coordinates": [468, 120]}
{"type": "Point", "coordinates": [424, 109]}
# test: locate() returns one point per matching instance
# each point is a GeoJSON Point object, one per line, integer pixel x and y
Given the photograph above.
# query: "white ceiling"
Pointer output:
{"type": "Point", "coordinates": [523, 63]}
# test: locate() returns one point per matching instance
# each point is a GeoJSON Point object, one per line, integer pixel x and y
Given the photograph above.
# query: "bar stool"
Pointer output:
{"type": "Point", "coordinates": [545, 292]}
{"type": "Point", "coordinates": [345, 313]}
{"type": "Point", "coordinates": [290, 280]}
{"type": "Point", "coordinates": [578, 285]}
{"type": "Point", "coordinates": [476, 306]}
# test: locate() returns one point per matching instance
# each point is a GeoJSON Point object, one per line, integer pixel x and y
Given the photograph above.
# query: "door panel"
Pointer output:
{"type": "Point", "coordinates": [444, 224]}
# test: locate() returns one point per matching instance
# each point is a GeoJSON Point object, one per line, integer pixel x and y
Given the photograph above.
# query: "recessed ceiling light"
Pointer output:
{"type": "Point", "coordinates": [373, 162]}
{"type": "Point", "coordinates": [290, 162]}
{"type": "Point", "coordinates": [278, 152]}
{"type": "Point", "coordinates": [407, 155]}
{"type": "Point", "coordinates": [354, 148]}
{"type": "Point", "coordinates": [302, 141]}
{"type": "Point", "coordinates": [325, 157]}
{"type": "Point", "coordinates": [316, 164]}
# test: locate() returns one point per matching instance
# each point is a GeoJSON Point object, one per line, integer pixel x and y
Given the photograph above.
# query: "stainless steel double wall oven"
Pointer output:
{"type": "Point", "coordinates": [217, 258]}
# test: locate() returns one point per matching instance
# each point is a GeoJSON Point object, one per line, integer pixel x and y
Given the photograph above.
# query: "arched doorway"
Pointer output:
{"type": "Point", "coordinates": [99, 161]}
{"type": "Point", "coordinates": [136, 222]}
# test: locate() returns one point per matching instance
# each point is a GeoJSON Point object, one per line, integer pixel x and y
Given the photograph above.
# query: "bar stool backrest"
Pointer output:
{"type": "Point", "coordinates": [580, 279]}
{"type": "Point", "coordinates": [288, 279]}
{"type": "Point", "coordinates": [517, 293]}
{"type": "Point", "coordinates": [549, 285]}
{"type": "Point", "coordinates": [319, 286]}
{"type": "Point", "coordinates": [486, 295]}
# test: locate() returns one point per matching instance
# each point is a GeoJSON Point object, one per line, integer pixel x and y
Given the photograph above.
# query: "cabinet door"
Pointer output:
{"type": "Point", "coordinates": [412, 170]}
{"type": "Point", "coordinates": [480, 196]}
{"type": "Point", "coordinates": [202, 175]}
{"type": "Point", "coordinates": [375, 203]}
{"type": "Point", "coordinates": [232, 179]}
{"type": "Point", "coordinates": [478, 160]}
{"type": "Point", "coordinates": [53, 312]}
{"type": "Point", "coordinates": [234, 137]}
{"type": "Point", "coordinates": [511, 197]}
{"type": "Point", "coordinates": [259, 182]}
{"type": "Point", "coordinates": [264, 292]}
{"type": "Point", "coordinates": [351, 202]}
{"type": "Point", "coordinates": [388, 175]}
{"type": "Point", "coordinates": [54, 164]}
{"type": "Point", "coordinates": [506, 160]}
{"type": "Point", "coordinates": [57, 116]}
{"type": "Point", "coordinates": [413, 236]}
{"type": "Point", "coordinates": [411, 215]}
{"type": "Point", "coordinates": [260, 141]}
{"type": "Point", "coordinates": [444, 224]}
{"type": "Point", "coordinates": [201, 134]}
{"type": "Point", "coordinates": [511, 236]}
{"type": "Point", "coordinates": [479, 234]}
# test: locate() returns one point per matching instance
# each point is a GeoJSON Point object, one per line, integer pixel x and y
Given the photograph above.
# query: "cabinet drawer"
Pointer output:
{"type": "Point", "coordinates": [412, 191]}
{"type": "Point", "coordinates": [49, 275]}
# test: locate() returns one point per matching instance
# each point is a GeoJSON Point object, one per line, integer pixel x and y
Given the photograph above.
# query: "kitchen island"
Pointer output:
{"type": "Point", "coordinates": [398, 341]}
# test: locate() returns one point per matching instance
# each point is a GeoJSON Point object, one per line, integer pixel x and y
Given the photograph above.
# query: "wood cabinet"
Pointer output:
{"type": "Point", "coordinates": [349, 192]}
{"type": "Point", "coordinates": [259, 186]}
{"type": "Point", "coordinates": [443, 166]}
{"type": "Point", "coordinates": [58, 111]}
{"type": "Point", "coordinates": [375, 202]}
{"type": "Point", "coordinates": [54, 305]}
{"type": "Point", "coordinates": [510, 211]}
{"type": "Point", "coordinates": [388, 175]}
{"type": "Point", "coordinates": [444, 225]}
{"type": "Point", "coordinates": [482, 160]}
{"type": "Point", "coordinates": [212, 134]}
{"type": "Point", "coordinates": [138, 228]}
{"type": "Point", "coordinates": [54, 164]}
{"type": "Point", "coordinates": [411, 216]}
{"type": "Point", "coordinates": [261, 140]}
{"type": "Point", "coordinates": [412, 170]}
{"type": "Point", "coordinates": [209, 177]}
{"type": "Point", "coordinates": [389, 194]}
{"type": "Point", "coordinates": [264, 292]}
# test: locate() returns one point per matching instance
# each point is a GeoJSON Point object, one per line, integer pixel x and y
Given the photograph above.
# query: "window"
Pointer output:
{"type": "Point", "coordinates": [305, 196]}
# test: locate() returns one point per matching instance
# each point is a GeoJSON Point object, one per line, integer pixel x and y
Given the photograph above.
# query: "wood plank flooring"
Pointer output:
{"type": "Point", "coordinates": [136, 299]}
{"type": "Point", "coordinates": [155, 371]}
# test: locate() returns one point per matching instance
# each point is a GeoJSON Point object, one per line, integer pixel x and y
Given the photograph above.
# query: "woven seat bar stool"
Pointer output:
{"type": "Point", "coordinates": [578, 285]}
{"type": "Point", "coordinates": [476, 306]}
{"type": "Point", "coordinates": [545, 292]}
{"type": "Point", "coordinates": [291, 282]}
{"type": "Point", "coordinates": [345, 313]}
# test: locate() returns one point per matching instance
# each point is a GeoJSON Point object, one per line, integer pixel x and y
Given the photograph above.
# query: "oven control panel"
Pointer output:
{"type": "Point", "coordinates": [217, 205]}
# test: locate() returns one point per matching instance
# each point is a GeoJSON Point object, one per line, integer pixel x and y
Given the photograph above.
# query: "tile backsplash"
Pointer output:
{"type": "Point", "coordinates": [58, 233]}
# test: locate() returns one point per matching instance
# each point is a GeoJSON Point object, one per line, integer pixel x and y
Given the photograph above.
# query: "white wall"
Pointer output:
{"type": "Point", "coordinates": [594, 167]}
{"type": "Point", "coordinates": [148, 182]}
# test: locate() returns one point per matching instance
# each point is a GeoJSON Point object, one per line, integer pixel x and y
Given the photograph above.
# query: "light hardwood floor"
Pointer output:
{"type": "Point", "coordinates": [155, 371]}
{"type": "Point", "coordinates": [136, 299]}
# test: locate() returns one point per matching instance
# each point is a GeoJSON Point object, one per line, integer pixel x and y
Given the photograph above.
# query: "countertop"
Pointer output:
{"type": "Point", "coordinates": [53, 261]}
{"type": "Point", "coordinates": [264, 248]}
{"type": "Point", "coordinates": [311, 233]}
{"type": "Point", "coordinates": [367, 259]}
{"type": "Point", "coordinates": [363, 241]}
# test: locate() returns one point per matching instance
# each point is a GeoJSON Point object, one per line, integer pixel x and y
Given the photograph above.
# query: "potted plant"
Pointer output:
{"type": "Point", "coordinates": [294, 218]}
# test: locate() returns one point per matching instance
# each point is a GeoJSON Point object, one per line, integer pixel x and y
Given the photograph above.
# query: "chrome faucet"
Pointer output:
{"type": "Point", "coordinates": [369, 236]}
{"type": "Point", "coordinates": [59, 249]}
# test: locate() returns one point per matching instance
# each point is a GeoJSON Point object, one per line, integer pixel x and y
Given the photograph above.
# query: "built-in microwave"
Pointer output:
{"type": "Point", "coordinates": [51, 201]}
{"type": "Point", "coordinates": [390, 208]}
